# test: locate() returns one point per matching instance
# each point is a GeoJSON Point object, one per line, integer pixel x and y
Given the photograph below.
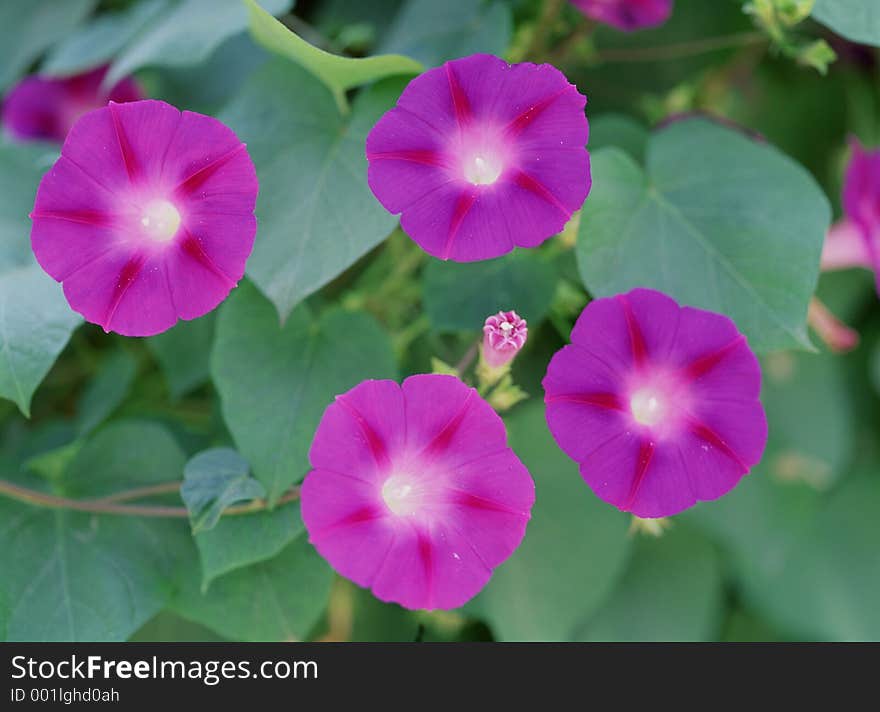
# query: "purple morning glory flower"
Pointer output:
{"type": "Point", "coordinates": [147, 217]}
{"type": "Point", "coordinates": [414, 492]}
{"type": "Point", "coordinates": [480, 156]}
{"type": "Point", "coordinates": [626, 15]}
{"type": "Point", "coordinates": [658, 403]}
{"type": "Point", "coordinates": [855, 240]}
{"type": "Point", "coordinates": [43, 108]}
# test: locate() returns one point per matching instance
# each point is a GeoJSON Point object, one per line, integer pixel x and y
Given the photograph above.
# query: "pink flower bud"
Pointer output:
{"type": "Point", "coordinates": [837, 335]}
{"type": "Point", "coordinates": [504, 334]}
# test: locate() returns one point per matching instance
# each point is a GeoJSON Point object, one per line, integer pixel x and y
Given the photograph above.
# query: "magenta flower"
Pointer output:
{"type": "Point", "coordinates": [480, 156]}
{"type": "Point", "coordinates": [658, 403]}
{"type": "Point", "coordinates": [414, 492]}
{"type": "Point", "coordinates": [855, 240]}
{"type": "Point", "coordinates": [147, 216]}
{"type": "Point", "coordinates": [42, 108]}
{"type": "Point", "coordinates": [504, 334]}
{"type": "Point", "coordinates": [626, 15]}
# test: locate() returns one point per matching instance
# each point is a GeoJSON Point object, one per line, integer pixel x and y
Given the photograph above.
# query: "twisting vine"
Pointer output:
{"type": "Point", "coordinates": [115, 504]}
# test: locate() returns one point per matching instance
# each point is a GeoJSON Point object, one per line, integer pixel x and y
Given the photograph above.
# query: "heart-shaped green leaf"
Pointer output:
{"type": "Point", "coordinates": [716, 220]}
{"type": "Point", "coordinates": [316, 212]}
{"type": "Point", "coordinates": [273, 410]}
{"type": "Point", "coordinates": [857, 20]}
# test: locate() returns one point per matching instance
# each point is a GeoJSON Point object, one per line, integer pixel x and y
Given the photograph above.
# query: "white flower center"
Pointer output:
{"type": "Point", "coordinates": [647, 407]}
{"type": "Point", "coordinates": [160, 220]}
{"type": "Point", "coordinates": [482, 169]}
{"type": "Point", "coordinates": [400, 495]}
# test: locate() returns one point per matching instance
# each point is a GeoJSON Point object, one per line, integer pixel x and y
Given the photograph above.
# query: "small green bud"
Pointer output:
{"type": "Point", "coordinates": [817, 54]}
{"type": "Point", "coordinates": [650, 527]}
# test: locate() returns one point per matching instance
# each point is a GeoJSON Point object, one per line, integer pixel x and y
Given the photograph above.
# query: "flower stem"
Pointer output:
{"type": "Point", "coordinates": [680, 50]}
{"type": "Point", "coordinates": [142, 492]}
{"type": "Point", "coordinates": [467, 359]}
{"type": "Point", "coordinates": [112, 504]}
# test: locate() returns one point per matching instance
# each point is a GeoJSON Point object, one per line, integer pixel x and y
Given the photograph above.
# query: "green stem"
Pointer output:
{"type": "Point", "coordinates": [143, 492]}
{"type": "Point", "coordinates": [112, 504]}
{"type": "Point", "coordinates": [681, 49]}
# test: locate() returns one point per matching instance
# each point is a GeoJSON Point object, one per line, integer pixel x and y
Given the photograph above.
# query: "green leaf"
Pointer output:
{"type": "Point", "coordinates": [273, 410]}
{"type": "Point", "coordinates": [573, 553]}
{"type": "Point", "coordinates": [21, 167]}
{"type": "Point", "coordinates": [758, 524]}
{"type": "Point", "coordinates": [461, 295]}
{"type": "Point", "coordinates": [619, 131]}
{"type": "Point", "coordinates": [201, 85]}
{"type": "Point", "coordinates": [330, 15]}
{"type": "Point", "coordinates": [316, 212]}
{"type": "Point", "coordinates": [170, 628]}
{"type": "Point", "coordinates": [124, 454]}
{"type": "Point", "coordinates": [281, 599]}
{"type": "Point", "coordinates": [856, 20]}
{"type": "Point", "coordinates": [827, 586]}
{"type": "Point", "coordinates": [183, 353]}
{"type": "Point", "coordinates": [106, 391]}
{"type": "Point", "coordinates": [96, 42]}
{"type": "Point", "coordinates": [28, 28]}
{"type": "Point", "coordinates": [717, 221]}
{"type": "Point", "coordinates": [212, 481]}
{"type": "Point", "coordinates": [337, 73]}
{"type": "Point", "coordinates": [375, 621]}
{"type": "Point", "coordinates": [4, 614]}
{"type": "Point", "coordinates": [433, 32]}
{"type": "Point", "coordinates": [35, 325]}
{"type": "Point", "coordinates": [35, 321]}
{"type": "Point", "coordinates": [808, 564]}
{"type": "Point", "coordinates": [745, 627]}
{"type": "Point", "coordinates": [51, 464]}
{"type": "Point", "coordinates": [74, 577]}
{"type": "Point", "coordinates": [210, 85]}
{"type": "Point", "coordinates": [179, 34]}
{"type": "Point", "coordinates": [811, 416]}
{"type": "Point", "coordinates": [671, 591]}
{"type": "Point", "coordinates": [241, 541]}
{"type": "Point", "coordinates": [82, 577]}
{"type": "Point", "coordinates": [39, 438]}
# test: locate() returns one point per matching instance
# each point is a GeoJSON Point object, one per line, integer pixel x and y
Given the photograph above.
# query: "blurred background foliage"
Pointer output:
{"type": "Point", "coordinates": [792, 554]}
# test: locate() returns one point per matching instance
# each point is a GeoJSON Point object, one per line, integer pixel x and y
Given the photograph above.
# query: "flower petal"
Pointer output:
{"type": "Point", "coordinates": [346, 524]}
{"type": "Point", "coordinates": [369, 420]}
{"type": "Point", "coordinates": [658, 403]}
{"type": "Point", "coordinates": [464, 428]}
{"type": "Point", "coordinates": [480, 156]}
{"type": "Point", "coordinates": [147, 216]}
{"type": "Point", "coordinates": [581, 394]}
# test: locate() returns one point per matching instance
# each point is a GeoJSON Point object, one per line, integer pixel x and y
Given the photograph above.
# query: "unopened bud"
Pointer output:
{"type": "Point", "coordinates": [837, 335]}
{"type": "Point", "coordinates": [504, 334]}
